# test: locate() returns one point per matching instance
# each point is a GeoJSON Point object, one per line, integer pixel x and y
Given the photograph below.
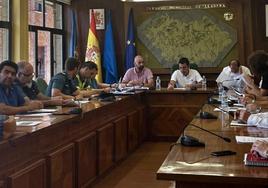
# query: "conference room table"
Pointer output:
{"type": "Point", "coordinates": [77, 150]}
{"type": "Point", "coordinates": [196, 167]}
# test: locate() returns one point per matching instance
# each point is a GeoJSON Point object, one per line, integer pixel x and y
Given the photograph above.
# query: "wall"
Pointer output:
{"type": "Point", "coordinates": [249, 15]}
{"type": "Point", "coordinates": [82, 7]}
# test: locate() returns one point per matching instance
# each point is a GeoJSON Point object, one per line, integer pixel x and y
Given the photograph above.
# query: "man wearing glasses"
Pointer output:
{"type": "Point", "coordinates": [24, 80]}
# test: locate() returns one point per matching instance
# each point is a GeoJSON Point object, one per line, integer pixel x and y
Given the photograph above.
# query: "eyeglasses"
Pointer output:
{"type": "Point", "coordinates": [27, 75]}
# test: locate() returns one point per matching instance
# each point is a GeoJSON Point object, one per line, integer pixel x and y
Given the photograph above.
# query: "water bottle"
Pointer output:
{"type": "Point", "coordinates": [158, 83]}
{"type": "Point", "coordinates": [224, 107]}
{"type": "Point", "coordinates": [220, 90]}
{"type": "Point", "coordinates": [204, 83]}
{"type": "Point", "coordinates": [224, 99]}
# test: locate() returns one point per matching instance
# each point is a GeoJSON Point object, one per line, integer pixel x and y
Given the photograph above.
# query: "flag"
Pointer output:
{"type": "Point", "coordinates": [109, 59]}
{"type": "Point", "coordinates": [73, 38]}
{"type": "Point", "coordinates": [93, 49]}
{"type": "Point", "coordinates": [130, 48]}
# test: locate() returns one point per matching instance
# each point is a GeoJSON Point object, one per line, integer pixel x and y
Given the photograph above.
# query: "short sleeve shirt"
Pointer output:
{"type": "Point", "coordinates": [62, 82]}
{"type": "Point", "coordinates": [182, 80]}
{"type": "Point", "coordinates": [12, 96]}
{"type": "Point", "coordinates": [30, 91]}
{"type": "Point", "coordinates": [227, 77]}
{"type": "Point", "coordinates": [144, 76]}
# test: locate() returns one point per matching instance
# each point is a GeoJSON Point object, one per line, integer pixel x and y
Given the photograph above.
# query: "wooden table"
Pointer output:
{"type": "Point", "coordinates": [195, 167]}
{"type": "Point", "coordinates": [170, 111]}
{"type": "Point", "coordinates": [73, 150]}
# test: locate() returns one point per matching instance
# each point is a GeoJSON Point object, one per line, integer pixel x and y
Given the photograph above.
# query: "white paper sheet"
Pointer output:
{"type": "Point", "coordinates": [248, 139]}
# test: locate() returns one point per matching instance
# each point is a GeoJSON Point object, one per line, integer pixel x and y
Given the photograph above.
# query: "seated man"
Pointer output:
{"type": "Point", "coordinates": [62, 83]}
{"type": "Point", "coordinates": [86, 77]}
{"type": "Point", "coordinates": [29, 87]}
{"type": "Point", "coordinates": [138, 75]}
{"type": "Point", "coordinates": [12, 100]}
{"type": "Point", "coordinates": [231, 75]}
{"type": "Point", "coordinates": [185, 77]}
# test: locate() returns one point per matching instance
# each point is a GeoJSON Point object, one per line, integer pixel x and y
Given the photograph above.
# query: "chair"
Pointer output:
{"type": "Point", "coordinates": [42, 85]}
{"type": "Point", "coordinates": [176, 67]}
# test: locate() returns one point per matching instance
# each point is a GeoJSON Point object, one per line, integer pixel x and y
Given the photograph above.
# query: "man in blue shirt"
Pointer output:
{"type": "Point", "coordinates": [11, 97]}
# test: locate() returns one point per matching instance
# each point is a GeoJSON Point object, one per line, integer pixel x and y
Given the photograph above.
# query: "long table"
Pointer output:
{"type": "Point", "coordinates": [73, 150]}
{"type": "Point", "coordinates": [76, 150]}
{"type": "Point", "coordinates": [195, 167]}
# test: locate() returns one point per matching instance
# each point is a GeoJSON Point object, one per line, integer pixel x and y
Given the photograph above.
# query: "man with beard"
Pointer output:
{"type": "Point", "coordinates": [138, 75]}
{"type": "Point", "coordinates": [12, 99]}
{"type": "Point", "coordinates": [185, 77]}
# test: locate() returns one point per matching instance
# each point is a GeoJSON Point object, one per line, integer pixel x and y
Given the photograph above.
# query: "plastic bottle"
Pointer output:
{"type": "Point", "coordinates": [158, 83]}
{"type": "Point", "coordinates": [224, 99]}
{"type": "Point", "coordinates": [204, 83]}
{"type": "Point", "coordinates": [224, 107]}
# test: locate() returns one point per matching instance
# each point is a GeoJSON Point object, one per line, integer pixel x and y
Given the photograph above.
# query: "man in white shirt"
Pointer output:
{"type": "Point", "coordinates": [185, 77]}
{"type": "Point", "coordinates": [231, 75]}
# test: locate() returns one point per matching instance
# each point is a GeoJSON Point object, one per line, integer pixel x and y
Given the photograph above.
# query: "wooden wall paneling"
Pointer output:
{"type": "Point", "coordinates": [31, 176]}
{"type": "Point", "coordinates": [105, 137]}
{"type": "Point", "coordinates": [237, 9]}
{"type": "Point", "coordinates": [120, 138]}
{"type": "Point", "coordinates": [61, 167]}
{"type": "Point", "coordinates": [86, 158]}
{"type": "Point", "coordinates": [133, 134]}
{"type": "Point", "coordinates": [142, 131]}
{"type": "Point", "coordinates": [82, 7]}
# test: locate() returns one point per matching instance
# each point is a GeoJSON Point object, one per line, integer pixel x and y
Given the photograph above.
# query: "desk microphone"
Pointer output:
{"type": "Point", "coordinates": [207, 115]}
{"type": "Point", "coordinates": [186, 140]}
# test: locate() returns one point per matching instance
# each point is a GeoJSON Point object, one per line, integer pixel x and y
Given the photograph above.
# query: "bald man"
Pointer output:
{"type": "Point", "coordinates": [138, 75]}
{"type": "Point", "coordinates": [24, 80]}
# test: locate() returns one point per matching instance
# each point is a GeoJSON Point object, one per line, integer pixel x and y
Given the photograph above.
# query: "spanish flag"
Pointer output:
{"type": "Point", "coordinates": [93, 49]}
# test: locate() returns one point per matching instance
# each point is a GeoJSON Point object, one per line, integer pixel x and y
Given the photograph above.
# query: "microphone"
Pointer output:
{"type": "Point", "coordinates": [207, 115]}
{"type": "Point", "coordinates": [186, 140]}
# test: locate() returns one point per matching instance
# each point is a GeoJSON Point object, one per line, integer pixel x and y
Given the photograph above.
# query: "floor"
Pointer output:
{"type": "Point", "coordinates": [139, 169]}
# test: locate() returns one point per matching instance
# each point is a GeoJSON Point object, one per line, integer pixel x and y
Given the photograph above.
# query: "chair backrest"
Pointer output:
{"type": "Point", "coordinates": [42, 85]}
{"type": "Point", "coordinates": [176, 67]}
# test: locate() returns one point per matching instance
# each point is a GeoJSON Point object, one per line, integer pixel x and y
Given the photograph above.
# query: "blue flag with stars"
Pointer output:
{"type": "Point", "coordinates": [109, 59]}
{"type": "Point", "coordinates": [130, 46]}
{"type": "Point", "coordinates": [73, 38]}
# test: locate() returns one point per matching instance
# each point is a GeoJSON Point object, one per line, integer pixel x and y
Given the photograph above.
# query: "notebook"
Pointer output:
{"type": "Point", "coordinates": [255, 160]}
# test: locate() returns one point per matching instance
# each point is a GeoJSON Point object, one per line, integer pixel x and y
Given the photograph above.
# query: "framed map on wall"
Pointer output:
{"type": "Point", "coordinates": [204, 38]}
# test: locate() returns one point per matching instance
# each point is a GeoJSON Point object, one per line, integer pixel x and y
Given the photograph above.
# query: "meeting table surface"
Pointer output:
{"type": "Point", "coordinates": [197, 165]}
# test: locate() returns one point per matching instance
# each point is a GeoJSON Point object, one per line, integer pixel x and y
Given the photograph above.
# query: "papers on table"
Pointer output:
{"type": "Point", "coordinates": [34, 115]}
{"type": "Point", "coordinates": [229, 109]}
{"type": "Point", "coordinates": [248, 139]}
{"type": "Point", "coordinates": [42, 111]}
{"type": "Point", "coordinates": [181, 88]}
{"type": "Point", "coordinates": [239, 105]}
{"type": "Point", "coordinates": [238, 123]}
{"type": "Point", "coordinates": [27, 123]}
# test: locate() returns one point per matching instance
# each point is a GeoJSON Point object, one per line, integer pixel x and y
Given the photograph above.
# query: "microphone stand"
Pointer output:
{"type": "Point", "coordinates": [186, 140]}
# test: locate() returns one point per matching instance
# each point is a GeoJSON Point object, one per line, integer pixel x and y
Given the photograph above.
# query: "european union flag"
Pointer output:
{"type": "Point", "coordinates": [130, 48]}
{"type": "Point", "coordinates": [109, 59]}
{"type": "Point", "coordinates": [73, 38]}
